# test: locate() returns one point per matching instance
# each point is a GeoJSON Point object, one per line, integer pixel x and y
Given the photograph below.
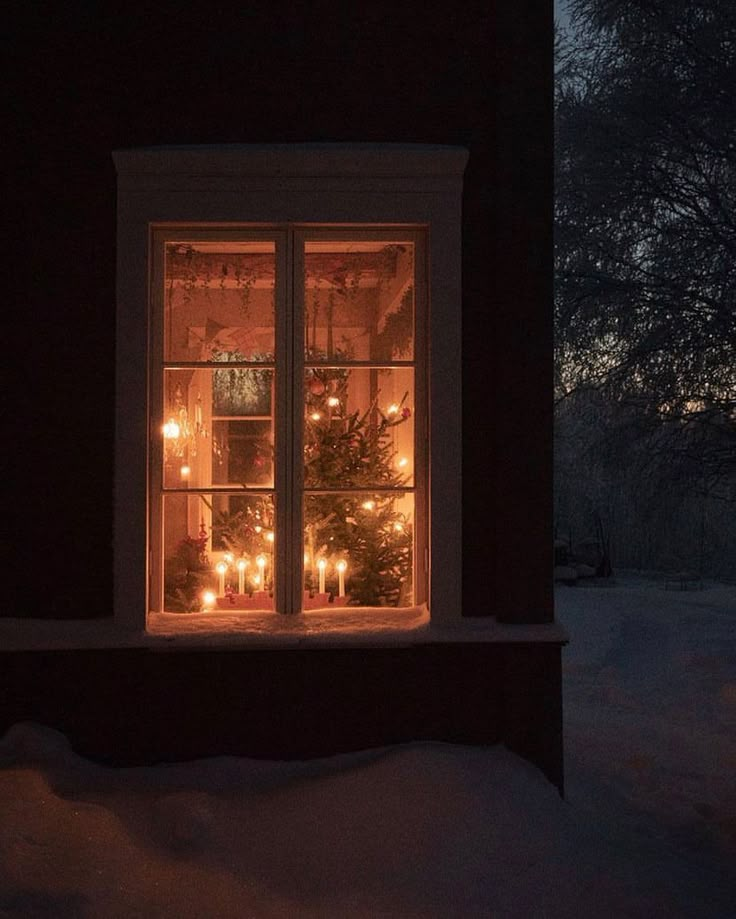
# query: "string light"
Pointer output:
{"type": "Point", "coordinates": [208, 599]}
{"type": "Point", "coordinates": [368, 505]}
{"type": "Point", "coordinates": [392, 409]}
{"type": "Point", "coordinates": [171, 429]}
{"type": "Point", "coordinates": [333, 401]}
{"type": "Point", "coordinates": [315, 416]}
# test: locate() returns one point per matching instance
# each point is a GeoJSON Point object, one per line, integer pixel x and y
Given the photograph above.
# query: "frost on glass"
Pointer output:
{"type": "Point", "coordinates": [358, 549]}
{"type": "Point", "coordinates": [359, 300]}
{"type": "Point", "coordinates": [219, 300]}
{"type": "Point", "coordinates": [218, 427]}
{"type": "Point", "coordinates": [219, 552]}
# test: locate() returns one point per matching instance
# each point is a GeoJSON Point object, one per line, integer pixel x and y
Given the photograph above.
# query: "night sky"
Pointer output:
{"type": "Point", "coordinates": [81, 86]}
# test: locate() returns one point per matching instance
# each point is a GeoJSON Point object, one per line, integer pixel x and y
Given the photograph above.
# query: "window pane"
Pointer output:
{"type": "Point", "coordinates": [370, 537]}
{"type": "Point", "coordinates": [359, 300]}
{"type": "Point", "coordinates": [219, 300]}
{"type": "Point", "coordinates": [358, 427]}
{"type": "Point", "coordinates": [218, 552]}
{"type": "Point", "coordinates": [218, 427]}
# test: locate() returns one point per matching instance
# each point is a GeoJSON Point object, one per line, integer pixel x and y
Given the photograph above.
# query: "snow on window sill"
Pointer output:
{"type": "Point", "coordinates": [344, 627]}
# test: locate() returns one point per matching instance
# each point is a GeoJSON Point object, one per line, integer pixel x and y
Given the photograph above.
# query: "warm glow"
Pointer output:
{"type": "Point", "coordinates": [208, 598]}
{"type": "Point", "coordinates": [257, 579]}
{"type": "Point", "coordinates": [315, 416]}
{"type": "Point", "coordinates": [221, 568]}
{"type": "Point", "coordinates": [257, 529]}
{"type": "Point", "coordinates": [392, 409]}
{"type": "Point", "coordinates": [403, 462]}
{"type": "Point", "coordinates": [322, 564]}
{"type": "Point", "coordinates": [368, 505]}
{"type": "Point", "coordinates": [185, 470]}
{"type": "Point", "coordinates": [341, 565]}
{"type": "Point", "coordinates": [242, 564]}
{"type": "Point", "coordinates": [399, 527]}
{"type": "Point", "coordinates": [171, 430]}
{"type": "Point", "coordinates": [269, 537]}
{"type": "Point", "coordinates": [228, 556]}
{"type": "Point", "coordinates": [306, 558]}
{"type": "Point", "coordinates": [261, 562]}
{"type": "Point", "coordinates": [333, 401]}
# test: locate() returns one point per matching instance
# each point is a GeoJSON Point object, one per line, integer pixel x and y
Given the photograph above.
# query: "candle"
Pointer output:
{"type": "Point", "coordinates": [321, 564]}
{"type": "Point", "coordinates": [221, 568]}
{"type": "Point", "coordinates": [261, 562]}
{"type": "Point", "coordinates": [242, 565]}
{"type": "Point", "coordinates": [341, 566]}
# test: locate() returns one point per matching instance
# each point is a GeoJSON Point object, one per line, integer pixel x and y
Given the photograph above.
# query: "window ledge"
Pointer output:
{"type": "Point", "coordinates": [316, 628]}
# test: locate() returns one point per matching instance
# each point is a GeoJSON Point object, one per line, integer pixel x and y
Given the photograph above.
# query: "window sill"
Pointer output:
{"type": "Point", "coordinates": [316, 628]}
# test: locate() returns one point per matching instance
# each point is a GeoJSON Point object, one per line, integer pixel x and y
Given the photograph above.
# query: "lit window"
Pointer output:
{"type": "Point", "coordinates": [288, 391]}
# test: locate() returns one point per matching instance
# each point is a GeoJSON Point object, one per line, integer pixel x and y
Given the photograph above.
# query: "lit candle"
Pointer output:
{"type": "Point", "coordinates": [321, 564]}
{"type": "Point", "coordinates": [341, 566]}
{"type": "Point", "coordinates": [242, 565]}
{"type": "Point", "coordinates": [261, 562]}
{"type": "Point", "coordinates": [221, 568]}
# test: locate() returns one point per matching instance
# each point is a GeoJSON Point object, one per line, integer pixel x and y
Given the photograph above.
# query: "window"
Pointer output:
{"type": "Point", "coordinates": [288, 393]}
{"type": "Point", "coordinates": [288, 364]}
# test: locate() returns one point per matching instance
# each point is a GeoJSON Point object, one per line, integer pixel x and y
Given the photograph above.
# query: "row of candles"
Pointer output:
{"type": "Point", "coordinates": [259, 580]}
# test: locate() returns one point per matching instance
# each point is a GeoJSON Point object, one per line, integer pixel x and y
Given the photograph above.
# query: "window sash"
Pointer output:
{"type": "Point", "coordinates": [289, 366]}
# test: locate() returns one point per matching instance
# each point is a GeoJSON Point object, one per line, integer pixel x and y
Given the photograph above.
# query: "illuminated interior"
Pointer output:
{"type": "Point", "coordinates": [229, 383]}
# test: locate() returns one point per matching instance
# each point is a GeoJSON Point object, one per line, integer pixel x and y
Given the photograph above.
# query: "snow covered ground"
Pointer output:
{"type": "Point", "coordinates": [421, 830]}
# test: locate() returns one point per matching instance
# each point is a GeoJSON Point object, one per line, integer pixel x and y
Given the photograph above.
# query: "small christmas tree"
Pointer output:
{"type": "Point", "coordinates": [355, 450]}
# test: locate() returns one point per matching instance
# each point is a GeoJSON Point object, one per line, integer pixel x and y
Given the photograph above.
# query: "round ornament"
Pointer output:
{"type": "Point", "coordinates": [316, 387]}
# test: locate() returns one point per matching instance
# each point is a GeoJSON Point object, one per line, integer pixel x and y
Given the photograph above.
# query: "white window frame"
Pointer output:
{"type": "Point", "coordinates": [289, 363]}
{"type": "Point", "coordinates": [333, 185]}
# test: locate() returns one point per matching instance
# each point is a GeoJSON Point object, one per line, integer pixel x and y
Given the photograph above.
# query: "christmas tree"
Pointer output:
{"type": "Point", "coordinates": [355, 449]}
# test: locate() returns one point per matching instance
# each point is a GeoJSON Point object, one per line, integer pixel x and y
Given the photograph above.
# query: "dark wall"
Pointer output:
{"type": "Point", "coordinates": [475, 74]}
{"type": "Point", "coordinates": [289, 704]}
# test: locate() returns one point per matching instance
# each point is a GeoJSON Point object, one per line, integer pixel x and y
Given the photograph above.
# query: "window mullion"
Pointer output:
{"type": "Point", "coordinates": [282, 478]}
{"type": "Point", "coordinates": [296, 380]}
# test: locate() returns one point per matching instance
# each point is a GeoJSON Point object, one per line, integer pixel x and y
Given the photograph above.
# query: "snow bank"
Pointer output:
{"type": "Point", "coordinates": [421, 830]}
